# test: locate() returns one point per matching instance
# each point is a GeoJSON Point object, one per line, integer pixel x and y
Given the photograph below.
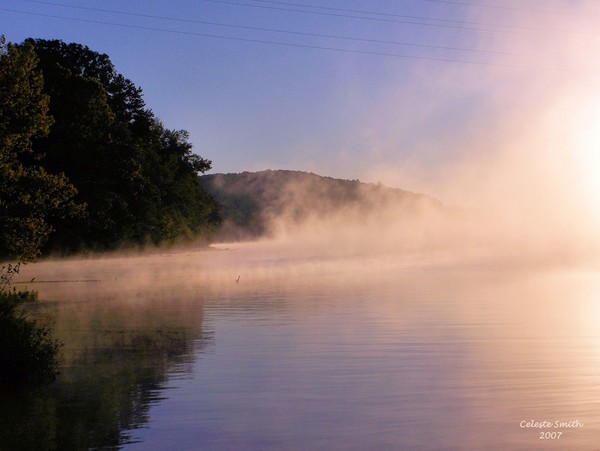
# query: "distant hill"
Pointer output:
{"type": "Point", "coordinates": [252, 202]}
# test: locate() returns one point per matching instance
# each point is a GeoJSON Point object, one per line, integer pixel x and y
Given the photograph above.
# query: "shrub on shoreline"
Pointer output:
{"type": "Point", "coordinates": [27, 350]}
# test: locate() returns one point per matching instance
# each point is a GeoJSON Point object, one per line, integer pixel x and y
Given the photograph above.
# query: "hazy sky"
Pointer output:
{"type": "Point", "coordinates": [302, 84]}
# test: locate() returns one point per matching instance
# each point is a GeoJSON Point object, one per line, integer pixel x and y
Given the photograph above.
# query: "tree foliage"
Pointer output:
{"type": "Point", "coordinates": [27, 350]}
{"type": "Point", "coordinates": [83, 163]}
{"type": "Point", "coordinates": [137, 179]}
{"type": "Point", "coordinates": [30, 196]}
{"type": "Point", "coordinates": [253, 202]}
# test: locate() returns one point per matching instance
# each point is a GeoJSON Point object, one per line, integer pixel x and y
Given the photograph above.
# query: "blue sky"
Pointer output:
{"type": "Point", "coordinates": [400, 114]}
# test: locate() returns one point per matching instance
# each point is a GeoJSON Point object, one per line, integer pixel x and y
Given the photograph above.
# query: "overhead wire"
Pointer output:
{"type": "Point", "coordinates": [504, 7]}
{"type": "Point", "coordinates": [388, 14]}
{"type": "Point", "coordinates": [306, 46]}
{"type": "Point", "coordinates": [358, 11]}
{"type": "Point", "coordinates": [291, 32]}
{"type": "Point", "coordinates": [296, 5]}
{"type": "Point", "coordinates": [331, 14]}
{"type": "Point", "coordinates": [460, 25]}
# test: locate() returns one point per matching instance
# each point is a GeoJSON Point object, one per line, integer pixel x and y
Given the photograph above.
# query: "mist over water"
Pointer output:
{"type": "Point", "coordinates": [517, 140]}
{"type": "Point", "coordinates": [536, 220]}
{"type": "Point", "coordinates": [311, 348]}
{"type": "Point", "coordinates": [373, 325]}
{"type": "Point", "coordinates": [400, 326]}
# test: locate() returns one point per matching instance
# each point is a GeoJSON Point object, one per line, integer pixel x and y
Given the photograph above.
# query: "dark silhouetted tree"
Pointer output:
{"type": "Point", "coordinates": [30, 196]}
{"type": "Point", "coordinates": [138, 179]}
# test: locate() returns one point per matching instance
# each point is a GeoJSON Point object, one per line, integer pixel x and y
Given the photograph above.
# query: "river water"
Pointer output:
{"type": "Point", "coordinates": [167, 351]}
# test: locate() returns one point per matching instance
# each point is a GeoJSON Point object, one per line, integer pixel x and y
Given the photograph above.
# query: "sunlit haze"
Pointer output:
{"type": "Point", "coordinates": [443, 295]}
{"type": "Point", "coordinates": [492, 106]}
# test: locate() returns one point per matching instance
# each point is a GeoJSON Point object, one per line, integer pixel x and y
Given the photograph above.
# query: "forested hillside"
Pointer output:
{"type": "Point", "coordinates": [251, 202]}
{"type": "Point", "coordinates": [84, 164]}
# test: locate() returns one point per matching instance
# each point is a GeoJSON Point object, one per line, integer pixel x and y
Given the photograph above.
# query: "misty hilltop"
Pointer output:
{"type": "Point", "coordinates": [256, 204]}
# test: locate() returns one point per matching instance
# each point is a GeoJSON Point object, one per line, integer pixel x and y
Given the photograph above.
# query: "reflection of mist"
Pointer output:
{"type": "Point", "coordinates": [373, 348]}
{"type": "Point", "coordinates": [482, 354]}
{"type": "Point", "coordinates": [117, 358]}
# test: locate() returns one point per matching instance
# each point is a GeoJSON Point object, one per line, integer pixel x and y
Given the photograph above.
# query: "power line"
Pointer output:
{"type": "Point", "coordinates": [357, 11]}
{"type": "Point", "coordinates": [388, 14]}
{"type": "Point", "coordinates": [305, 46]}
{"type": "Point", "coordinates": [273, 30]}
{"type": "Point", "coordinates": [461, 25]}
{"type": "Point", "coordinates": [511, 8]}
{"type": "Point", "coordinates": [287, 4]}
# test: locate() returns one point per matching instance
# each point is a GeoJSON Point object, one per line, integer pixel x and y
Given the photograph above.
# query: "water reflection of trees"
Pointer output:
{"type": "Point", "coordinates": [116, 361]}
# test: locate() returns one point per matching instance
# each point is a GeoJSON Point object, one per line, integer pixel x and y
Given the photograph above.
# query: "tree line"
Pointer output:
{"type": "Point", "coordinates": [84, 164]}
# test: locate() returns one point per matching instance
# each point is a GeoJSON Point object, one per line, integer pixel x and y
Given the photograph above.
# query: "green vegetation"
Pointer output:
{"type": "Point", "coordinates": [27, 350]}
{"type": "Point", "coordinates": [84, 164]}
{"type": "Point", "coordinates": [30, 196]}
{"type": "Point", "coordinates": [250, 201]}
{"type": "Point", "coordinates": [138, 180]}
{"type": "Point", "coordinates": [119, 360]}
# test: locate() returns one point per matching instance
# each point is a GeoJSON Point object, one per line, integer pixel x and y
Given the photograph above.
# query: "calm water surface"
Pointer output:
{"type": "Point", "coordinates": [167, 352]}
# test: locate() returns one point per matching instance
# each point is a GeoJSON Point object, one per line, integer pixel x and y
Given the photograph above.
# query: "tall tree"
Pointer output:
{"type": "Point", "coordinates": [30, 196]}
{"type": "Point", "coordinates": [175, 202]}
{"type": "Point", "coordinates": [138, 179]}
